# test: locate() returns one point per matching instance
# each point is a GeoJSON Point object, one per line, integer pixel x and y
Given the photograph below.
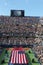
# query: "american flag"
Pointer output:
{"type": "Point", "coordinates": [18, 57]}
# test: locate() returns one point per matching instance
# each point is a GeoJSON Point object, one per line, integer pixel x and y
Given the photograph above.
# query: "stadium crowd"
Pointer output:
{"type": "Point", "coordinates": [15, 41]}
{"type": "Point", "coordinates": [21, 30]}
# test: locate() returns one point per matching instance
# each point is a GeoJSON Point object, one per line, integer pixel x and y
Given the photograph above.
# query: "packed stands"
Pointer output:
{"type": "Point", "coordinates": [21, 31]}
{"type": "Point", "coordinates": [39, 53]}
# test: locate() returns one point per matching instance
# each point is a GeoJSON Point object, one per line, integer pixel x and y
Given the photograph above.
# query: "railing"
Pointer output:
{"type": "Point", "coordinates": [15, 34]}
{"type": "Point", "coordinates": [12, 45]}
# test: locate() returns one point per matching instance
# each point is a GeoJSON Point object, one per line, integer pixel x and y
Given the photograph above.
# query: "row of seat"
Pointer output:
{"type": "Point", "coordinates": [16, 40]}
{"type": "Point", "coordinates": [20, 24]}
{"type": "Point", "coordinates": [15, 28]}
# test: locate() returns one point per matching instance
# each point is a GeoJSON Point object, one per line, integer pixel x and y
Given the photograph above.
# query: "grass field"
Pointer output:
{"type": "Point", "coordinates": [29, 54]}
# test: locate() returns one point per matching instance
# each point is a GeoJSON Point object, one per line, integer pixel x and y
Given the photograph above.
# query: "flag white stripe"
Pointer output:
{"type": "Point", "coordinates": [24, 58]}
{"type": "Point", "coordinates": [14, 57]}
{"type": "Point", "coordinates": [17, 56]}
{"type": "Point", "coordinates": [19, 59]}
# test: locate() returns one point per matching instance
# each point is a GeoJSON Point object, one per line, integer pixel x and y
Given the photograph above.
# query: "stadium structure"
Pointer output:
{"type": "Point", "coordinates": [18, 36]}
